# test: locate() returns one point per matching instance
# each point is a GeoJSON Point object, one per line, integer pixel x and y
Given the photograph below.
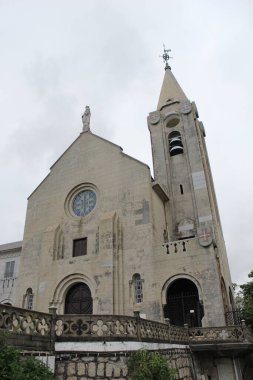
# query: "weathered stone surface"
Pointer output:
{"type": "Point", "coordinates": [87, 359]}
{"type": "Point", "coordinates": [124, 370]}
{"type": "Point", "coordinates": [123, 364]}
{"type": "Point", "coordinates": [71, 369]}
{"type": "Point", "coordinates": [100, 369]}
{"type": "Point", "coordinates": [117, 370]}
{"type": "Point", "coordinates": [92, 369]}
{"type": "Point", "coordinates": [80, 369]}
{"type": "Point", "coordinates": [59, 377]}
{"type": "Point", "coordinates": [60, 368]}
{"type": "Point", "coordinates": [102, 359]}
{"type": "Point", "coordinates": [109, 370]}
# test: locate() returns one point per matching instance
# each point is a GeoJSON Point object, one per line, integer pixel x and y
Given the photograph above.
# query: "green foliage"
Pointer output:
{"type": "Point", "coordinates": [145, 365]}
{"type": "Point", "coordinates": [238, 297]}
{"type": "Point", "coordinates": [15, 367]}
{"type": "Point", "coordinates": [33, 369]}
{"type": "Point", "coordinates": [247, 303]}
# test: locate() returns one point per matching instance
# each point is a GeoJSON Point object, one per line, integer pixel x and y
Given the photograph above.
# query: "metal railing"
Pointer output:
{"type": "Point", "coordinates": [234, 318]}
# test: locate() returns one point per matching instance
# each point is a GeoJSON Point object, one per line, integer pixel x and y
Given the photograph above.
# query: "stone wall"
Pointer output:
{"type": "Point", "coordinates": [113, 366]}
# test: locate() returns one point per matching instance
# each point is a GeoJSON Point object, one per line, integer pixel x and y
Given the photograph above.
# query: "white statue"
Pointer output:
{"type": "Point", "coordinates": [86, 119]}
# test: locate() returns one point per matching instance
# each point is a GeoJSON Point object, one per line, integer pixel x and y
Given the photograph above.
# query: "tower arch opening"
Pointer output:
{"type": "Point", "coordinates": [175, 143]}
{"type": "Point", "coordinates": [183, 304]}
{"type": "Point", "coordinates": [78, 300]}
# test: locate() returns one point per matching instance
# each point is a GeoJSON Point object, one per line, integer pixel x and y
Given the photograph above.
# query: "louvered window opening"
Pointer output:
{"type": "Point", "coordinates": [9, 269]}
{"type": "Point", "coordinates": [80, 247]}
{"type": "Point", "coordinates": [175, 144]}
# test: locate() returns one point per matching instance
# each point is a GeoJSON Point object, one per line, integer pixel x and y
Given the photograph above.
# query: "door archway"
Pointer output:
{"type": "Point", "coordinates": [78, 300]}
{"type": "Point", "coordinates": [182, 304]}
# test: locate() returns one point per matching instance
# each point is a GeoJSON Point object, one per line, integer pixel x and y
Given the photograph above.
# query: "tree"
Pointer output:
{"type": "Point", "coordinates": [145, 365]}
{"type": "Point", "coordinates": [14, 366]}
{"type": "Point", "coordinates": [238, 297]}
{"type": "Point", "coordinates": [247, 302]}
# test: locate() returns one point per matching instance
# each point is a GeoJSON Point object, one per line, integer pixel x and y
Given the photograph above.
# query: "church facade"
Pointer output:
{"type": "Point", "coordinates": [104, 237]}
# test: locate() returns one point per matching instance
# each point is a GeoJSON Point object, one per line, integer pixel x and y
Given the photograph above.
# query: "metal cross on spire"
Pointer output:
{"type": "Point", "coordinates": [166, 57]}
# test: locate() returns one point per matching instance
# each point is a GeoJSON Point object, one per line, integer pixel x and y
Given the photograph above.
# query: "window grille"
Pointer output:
{"type": "Point", "coordinates": [138, 291]}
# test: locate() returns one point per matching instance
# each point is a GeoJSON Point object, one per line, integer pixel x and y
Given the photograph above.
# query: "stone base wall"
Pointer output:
{"type": "Point", "coordinates": [113, 365]}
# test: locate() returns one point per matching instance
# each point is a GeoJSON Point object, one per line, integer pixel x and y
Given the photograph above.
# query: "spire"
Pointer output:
{"type": "Point", "coordinates": [170, 87]}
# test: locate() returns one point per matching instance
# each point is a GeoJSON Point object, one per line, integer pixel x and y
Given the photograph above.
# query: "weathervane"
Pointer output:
{"type": "Point", "coordinates": [166, 57]}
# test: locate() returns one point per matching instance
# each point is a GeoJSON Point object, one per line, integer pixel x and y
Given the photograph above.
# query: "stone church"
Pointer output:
{"type": "Point", "coordinates": [104, 237]}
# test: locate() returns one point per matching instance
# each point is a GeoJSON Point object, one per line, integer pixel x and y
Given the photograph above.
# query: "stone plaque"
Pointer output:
{"type": "Point", "coordinates": [205, 236]}
{"type": "Point", "coordinates": [154, 117]}
{"type": "Point", "coordinates": [185, 108]}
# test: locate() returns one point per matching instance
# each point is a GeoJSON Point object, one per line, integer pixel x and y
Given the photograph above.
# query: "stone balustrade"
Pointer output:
{"type": "Point", "coordinates": [32, 328]}
{"type": "Point", "coordinates": [226, 334]}
{"type": "Point", "coordinates": [25, 321]}
{"type": "Point", "coordinates": [180, 246]}
{"type": "Point", "coordinates": [113, 327]}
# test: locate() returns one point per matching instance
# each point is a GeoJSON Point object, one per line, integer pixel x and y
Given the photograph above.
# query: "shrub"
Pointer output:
{"type": "Point", "coordinates": [13, 366]}
{"type": "Point", "coordinates": [146, 365]}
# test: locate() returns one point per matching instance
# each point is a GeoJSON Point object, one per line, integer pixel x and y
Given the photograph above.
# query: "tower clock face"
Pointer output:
{"type": "Point", "coordinates": [84, 202]}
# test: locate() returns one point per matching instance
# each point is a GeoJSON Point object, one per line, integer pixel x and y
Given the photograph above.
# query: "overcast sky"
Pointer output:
{"type": "Point", "coordinates": [56, 56]}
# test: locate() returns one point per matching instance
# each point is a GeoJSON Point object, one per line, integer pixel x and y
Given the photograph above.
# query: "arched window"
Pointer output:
{"type": "Point", "coordinates": [78, 300]}
{"type": "Point", "coordinates": [183, 305]}
{"type": "Point", "coordinates": [28, 299]}
{"type": "Point", "coordinates": [175, 143]}
{"type": "Point", "coordinates": [138, 291]}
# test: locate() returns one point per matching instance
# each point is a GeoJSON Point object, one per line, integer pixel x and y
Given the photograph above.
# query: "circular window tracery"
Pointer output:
{"type": "Point", "coordinates": [84, 202]}
{"type": "Point", "coordinates": [81, 200]}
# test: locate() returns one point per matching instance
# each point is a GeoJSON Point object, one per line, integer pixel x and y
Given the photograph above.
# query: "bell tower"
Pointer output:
{"type": "Point", "coordinates": [181, 167]}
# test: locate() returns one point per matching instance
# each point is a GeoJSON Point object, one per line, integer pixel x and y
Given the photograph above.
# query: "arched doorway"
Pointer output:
{"type": "Point", "coordinates": [78, 300]}
{"type": "Point", "coordinates": [182, 304]}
